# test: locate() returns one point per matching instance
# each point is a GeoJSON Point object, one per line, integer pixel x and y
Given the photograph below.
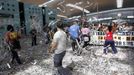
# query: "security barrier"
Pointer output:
{"type": "Point", "coordinates": [121, 38]}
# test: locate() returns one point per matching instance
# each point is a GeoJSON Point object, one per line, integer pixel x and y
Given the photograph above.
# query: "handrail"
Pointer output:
{"type": "Point", "coordinates": [120, 38]}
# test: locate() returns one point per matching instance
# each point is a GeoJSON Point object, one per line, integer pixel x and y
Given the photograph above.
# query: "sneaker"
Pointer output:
{"type": "Point", "coordinates": [114, 52]}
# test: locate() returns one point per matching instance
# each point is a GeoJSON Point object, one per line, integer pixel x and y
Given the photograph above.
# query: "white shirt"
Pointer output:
{"type": "Point", "coordinates": [60, 38]}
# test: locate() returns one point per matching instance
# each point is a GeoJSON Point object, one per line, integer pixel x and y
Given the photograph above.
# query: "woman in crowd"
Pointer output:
{"type": "Point", "coordinates": [109, 39]}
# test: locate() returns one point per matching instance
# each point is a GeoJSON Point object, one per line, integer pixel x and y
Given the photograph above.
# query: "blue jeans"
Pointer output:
{"type": "Point", "coordinates": [112, 44]}
{"type": "Point", "coordinates": [74, 42]}
{"type": "Point", "coordinates": [58, 59]}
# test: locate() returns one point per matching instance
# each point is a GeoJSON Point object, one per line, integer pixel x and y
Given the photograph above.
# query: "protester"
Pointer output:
{"type": "Point", "coordinates": [109, 40]}
{"type": "Point", "coordinates": [34, 36]}
{"type": "Point", "coordinates": [58, 45]}
{"type": "Point", "coordinates": [85, 33]}
{"type": "Point", "coordinates": [12, 39]}
{"type": "Point", "coordinates": [74, 32]}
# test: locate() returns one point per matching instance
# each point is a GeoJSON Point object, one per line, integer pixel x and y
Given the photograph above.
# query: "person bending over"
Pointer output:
{"type": "Point", "coordinates": [85, 33]}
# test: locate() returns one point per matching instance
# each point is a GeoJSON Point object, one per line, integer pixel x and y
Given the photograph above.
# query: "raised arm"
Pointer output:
{"type": "Point", "coordinates": [105, 29]}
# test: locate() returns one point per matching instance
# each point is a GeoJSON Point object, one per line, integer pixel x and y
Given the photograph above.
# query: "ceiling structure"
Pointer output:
{"type": "Point", "coordinates": [90, 5]}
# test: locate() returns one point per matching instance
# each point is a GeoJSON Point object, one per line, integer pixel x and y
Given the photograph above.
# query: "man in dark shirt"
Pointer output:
{"type": "Point", "coordinates": [33, 34]}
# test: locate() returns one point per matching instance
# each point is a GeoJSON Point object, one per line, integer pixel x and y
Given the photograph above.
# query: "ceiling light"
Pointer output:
{"type": "Point", "coordinates": [88, 2]}
{"type": "Point", "coordinates": [75, 17]}
{"type": "Point", "coordinates": [62, 16]}
{"type": "Point", "coordinates": [45, 4]}
{"type": "Point", "coordinates": [71, 9]}
{"type": "Point", "coordinates": [78, 3]}
{"type": "Point", "coordinates": [119, 14]}
{"type": "Point", "coordinates": [130, 16]}
{"type": "Point", "coordinates": [119, 3]}
{"type": "Point", "coordinates": [77, 7]}
{"type": "Point", "coordinates": [58, 8]}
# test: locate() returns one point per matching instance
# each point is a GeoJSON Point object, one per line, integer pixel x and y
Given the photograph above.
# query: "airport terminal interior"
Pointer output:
{"type": "Point", "coordinates": [66, 37]}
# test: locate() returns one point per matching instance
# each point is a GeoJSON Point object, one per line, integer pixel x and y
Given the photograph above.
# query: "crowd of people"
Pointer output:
{"type": "Point", "coordinates": [77, 34]}
{"type": "Point", "coordinates": [58, 38]}
{"type": "Point", "coordinates": [119, 27]}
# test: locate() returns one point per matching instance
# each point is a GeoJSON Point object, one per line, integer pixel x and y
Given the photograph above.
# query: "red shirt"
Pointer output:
{"type": "Point", "coordinates": [109, 36]}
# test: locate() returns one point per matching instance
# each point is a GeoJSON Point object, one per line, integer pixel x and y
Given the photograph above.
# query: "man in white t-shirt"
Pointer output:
{"type": "Point", "coordinates": [58, 45]}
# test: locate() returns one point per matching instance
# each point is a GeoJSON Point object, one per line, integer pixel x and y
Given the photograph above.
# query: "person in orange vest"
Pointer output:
{"type": "Point", "coordinates": [109, 40]}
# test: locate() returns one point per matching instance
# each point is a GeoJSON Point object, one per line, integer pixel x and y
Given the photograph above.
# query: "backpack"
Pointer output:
{"type": "Point", "coordinates": [13, 35]}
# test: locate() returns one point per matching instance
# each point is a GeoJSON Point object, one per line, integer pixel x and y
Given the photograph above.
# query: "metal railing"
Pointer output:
{"type": "Point", "coordinates": [120, 38]}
